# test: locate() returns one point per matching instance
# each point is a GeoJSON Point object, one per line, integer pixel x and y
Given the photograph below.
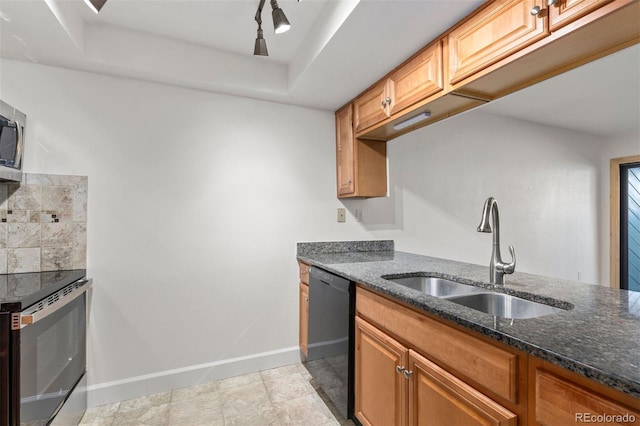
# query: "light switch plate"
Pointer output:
{"type": "Point", "coordinates": [342, 215]}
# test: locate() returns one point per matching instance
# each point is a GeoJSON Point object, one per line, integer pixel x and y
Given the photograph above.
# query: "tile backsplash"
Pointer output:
{"type": "Point", "coordinates": [43, 223]}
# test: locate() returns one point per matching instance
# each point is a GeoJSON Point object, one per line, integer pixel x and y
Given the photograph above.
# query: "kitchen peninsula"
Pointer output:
{"type": "Point", "coordinates": [588, 351]}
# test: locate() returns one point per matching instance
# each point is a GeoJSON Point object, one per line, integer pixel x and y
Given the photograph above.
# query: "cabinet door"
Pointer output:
{"type": "Point", "coordinates": [417, 79]}
{"type": "Point", "coordinates": [561, 402]}
{"type": "Point", "coordinates": [496, 32]}
{"type": "Point", "coordinates": [379, 384]}
{"type": "Point", "coordinates": [566, 11]}
{"type": "Point", "coordinates": [345, 146]}
{"type": "Point", "coordinates": [436, 397]}
{"type": "Point", "coordinates": [304, 318]}
{"type": "Point", "coordinates": [371, 107]}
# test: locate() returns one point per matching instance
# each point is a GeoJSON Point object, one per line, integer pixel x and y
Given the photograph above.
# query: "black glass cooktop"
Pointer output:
{"type": "Point", "coordinates": [18, 291]}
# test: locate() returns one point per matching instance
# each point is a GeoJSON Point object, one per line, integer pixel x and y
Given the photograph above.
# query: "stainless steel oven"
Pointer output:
{"type": "Point", "coordinates": [46, 361]}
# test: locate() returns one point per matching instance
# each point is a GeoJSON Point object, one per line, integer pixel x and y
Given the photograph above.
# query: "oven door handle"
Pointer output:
{"type": "Point", "coordinates": [36, 312]}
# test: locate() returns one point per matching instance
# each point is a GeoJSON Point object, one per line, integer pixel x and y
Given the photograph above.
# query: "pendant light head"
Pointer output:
{"type": "Point", "coordinates": [260, 48]}
{"type": "Point", "coordinates": [280, 22]}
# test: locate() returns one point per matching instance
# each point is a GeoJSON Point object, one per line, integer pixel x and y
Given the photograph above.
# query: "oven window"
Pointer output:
{"type": "Point", "coordinates": [52, 360]}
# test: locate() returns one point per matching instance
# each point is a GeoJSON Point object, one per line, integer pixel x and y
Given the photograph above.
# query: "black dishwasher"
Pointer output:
{"type": "Point", "coordinates": [331, 341]}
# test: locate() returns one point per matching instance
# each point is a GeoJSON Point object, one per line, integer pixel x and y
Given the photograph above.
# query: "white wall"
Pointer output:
{"type": "Point", "coordinates": [545, 180]}
{"type": "Point", "coordinates": [624, 145]}
{"type": "Point", "coordinates": [196, 201]}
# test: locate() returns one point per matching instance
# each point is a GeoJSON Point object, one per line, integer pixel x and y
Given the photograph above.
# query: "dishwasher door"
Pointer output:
{"type": "Point", "coordinates": [331, 328]}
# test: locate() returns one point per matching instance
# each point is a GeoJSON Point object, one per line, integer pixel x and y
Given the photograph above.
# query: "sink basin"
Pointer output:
{"type": "Point", "coordinates": [504, 305]}
{"type": "Point", "coordinates": [438, 287]}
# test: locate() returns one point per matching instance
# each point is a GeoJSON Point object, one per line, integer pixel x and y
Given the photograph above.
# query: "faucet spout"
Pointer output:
{"type": "Point", "coordinates": [490, 222]}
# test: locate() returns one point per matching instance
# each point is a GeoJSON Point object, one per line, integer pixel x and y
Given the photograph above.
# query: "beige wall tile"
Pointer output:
{"type": "Point", "coordinates": [57, 234]}
{"type": "Point", "coordinates": [24, 197]}
{"type": "Point", "coordinates": [23, 260]}
{"type": "Point", "coordinates": [57, 198]}
{"type": "Point", "coordinates": [43, 223]}
{"type": "Point", "coordinates": [23, 235]}
{"type": "Point", "coordinates": [56, 258]}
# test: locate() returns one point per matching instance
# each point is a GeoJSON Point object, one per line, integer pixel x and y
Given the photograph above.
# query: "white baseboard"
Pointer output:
{"type": "Point", "coordinates": [166, 381]}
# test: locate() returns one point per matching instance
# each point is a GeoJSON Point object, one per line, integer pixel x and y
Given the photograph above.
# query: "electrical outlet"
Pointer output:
{"type": "Point", "coordinates": [342, 215]}
{"type": "Point", "coordinates": [359, 214]}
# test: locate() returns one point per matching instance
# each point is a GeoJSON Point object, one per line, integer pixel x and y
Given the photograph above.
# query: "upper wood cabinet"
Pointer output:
{"type": "Point", "coordinates": [361, 164]}
{"type": "Point", "coordinates": [504, 46]}
{"type": "Point", "coordinates": [563, 12]}
{"type": "Point", "coordinates": [417, 79]}
{"type": "Point", "coordinates": [344, 151]}
{"type": "Point", "coordinates": [496, 32]}
{"type": "Point", "coordinates": [413, 81]}
{"type": "Point", "coordinates": [371, 107]}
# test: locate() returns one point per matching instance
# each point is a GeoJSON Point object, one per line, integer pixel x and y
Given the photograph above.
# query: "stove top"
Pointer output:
{"type": "Point", "coordinates": [18, 291]}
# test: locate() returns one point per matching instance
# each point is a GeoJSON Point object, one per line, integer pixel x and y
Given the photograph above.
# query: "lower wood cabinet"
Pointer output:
{"type": "Point", "coordinates": [436, 397]}
{"type": "Point", "coordinates": [304, 319]}
{"type": "Point", "coordinates": [304, 309]}
{"type": "Point", "coordinates": [395, 385]}
{"type": "Point", "coordinates": [560, 397]}
{"type": "Point", "coordinates": [414, 369]}
{"type": "Point", "coordinates": [380, 386]}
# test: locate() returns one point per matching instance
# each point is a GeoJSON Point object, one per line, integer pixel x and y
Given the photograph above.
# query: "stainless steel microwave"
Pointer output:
{"type": "Point", "coordinates": [12, 125]}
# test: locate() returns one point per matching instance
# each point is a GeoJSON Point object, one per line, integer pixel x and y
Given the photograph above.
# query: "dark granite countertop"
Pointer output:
{"type": "Point", "coordinates": [598, 338]}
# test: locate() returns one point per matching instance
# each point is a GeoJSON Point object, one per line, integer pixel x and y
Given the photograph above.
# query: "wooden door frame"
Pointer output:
{"type": "Point", "coordinates": [614, 217]}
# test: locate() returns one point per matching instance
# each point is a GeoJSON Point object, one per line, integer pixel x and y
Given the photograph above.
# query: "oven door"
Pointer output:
{"type": "Point", "coordinates": [52, 353]}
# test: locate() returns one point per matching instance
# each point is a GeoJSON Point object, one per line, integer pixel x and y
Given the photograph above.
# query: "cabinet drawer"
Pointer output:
{"type": "Point", "coordinates": [498, 31]}
{"type": "Point", "coordinates": [489, 366]}
{"type": "Point", "coordinates": [561, 402]}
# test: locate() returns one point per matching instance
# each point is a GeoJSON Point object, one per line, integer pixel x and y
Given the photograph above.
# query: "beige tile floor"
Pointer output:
{"type": "Point", "coordinates": [281, 396]}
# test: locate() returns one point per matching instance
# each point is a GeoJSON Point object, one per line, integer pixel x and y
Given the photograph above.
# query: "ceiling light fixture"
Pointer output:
{"type": "Point", "coordinates": [280, 22]}
{"type": "Point", "coordinates": [411, 121]}
{"type": "Point", "coordinates": [95, 5]}
{"type": "Point", "coordinates": [280, 25]}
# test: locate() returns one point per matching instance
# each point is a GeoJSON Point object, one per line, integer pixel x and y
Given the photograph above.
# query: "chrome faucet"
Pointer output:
{"type": "Point", "coordinates": [497, 268]}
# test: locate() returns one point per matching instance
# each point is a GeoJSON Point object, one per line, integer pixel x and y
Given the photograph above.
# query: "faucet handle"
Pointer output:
{"type": "Point", "coordinates": [508, 268]}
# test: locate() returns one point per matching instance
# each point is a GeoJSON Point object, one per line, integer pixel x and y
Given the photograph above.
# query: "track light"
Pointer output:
{"type": "Point", "coordinates": [280, 22]}
{"type": "Point", "coordinates": [280, 25]}
{"type": "Point", "coordinates": [95, 5]}
{"type": "Point", "coordinates": [260, 48]}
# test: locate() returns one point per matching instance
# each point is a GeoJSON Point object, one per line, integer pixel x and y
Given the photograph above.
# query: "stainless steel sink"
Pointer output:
{"type": "Point", "coordinates": [505, 305]}
{"type": "Point", "coordinates": [438, 287]}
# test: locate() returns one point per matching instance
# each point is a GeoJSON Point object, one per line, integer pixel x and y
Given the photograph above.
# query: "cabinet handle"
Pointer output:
{"type": "Point", "coordinates": [400, 369]}
{"type": "Point", "coordinates": [552, 2]}
{"type": "Point", "coordinates": [536, 10]}
{"type": "Point", "coordinates": [407, 373]}
{"type": "Point", "coordinates": [349, 181]}
{"type": "Point", "coordinates": [383, 104]}
{"type": "Point", "coordinates": [306, 299]}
